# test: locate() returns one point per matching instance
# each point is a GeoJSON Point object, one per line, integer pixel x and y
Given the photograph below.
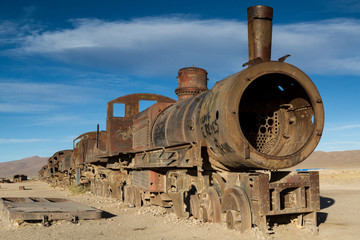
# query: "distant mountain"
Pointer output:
{"type": "Point", "coordinates": [27, 166]}
{"type": "Point", "coordinates": [345, 159]}
{"type": "Point", "coordinates": [341, 159]}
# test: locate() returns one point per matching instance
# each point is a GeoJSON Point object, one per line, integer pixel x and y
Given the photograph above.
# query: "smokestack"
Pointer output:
{"type": "Point", "coordinates": [259, 32]}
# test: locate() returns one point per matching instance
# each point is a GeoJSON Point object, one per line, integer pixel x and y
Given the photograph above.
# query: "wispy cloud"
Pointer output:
{"type": "Point", "coordinates": [68, 139]}
{"type": "Point", "coordinates": [61, 119]}
{"type": "Point", "coordinates": [20, 107]}
{"type": "Point", "coordinates": [345, 127]}
{"type": "Point", "coordinates": [15, 140]}
{"type": "Point", "coordinates": [49, 92]}
{"type": "Point", "coordinates": [122, 83]}
{"type": "Point", "coordinates": [160, 45]}
{"type": "Point", "coordinates": [322, 47]}
{"type": "Point", "coordinates": [19, 96]}
{"type": "Point", "coordinates": [343, 143]}
{"type": "Point", "coordinates": [13, 33]}
{"type": "Point", "coordinates": [144, 46]}
{"type": "Point", "coordinates": [8, 32]}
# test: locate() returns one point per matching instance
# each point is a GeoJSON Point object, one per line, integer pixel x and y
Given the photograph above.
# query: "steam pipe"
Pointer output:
{"type": "Point", "coordinates": [260, 32]}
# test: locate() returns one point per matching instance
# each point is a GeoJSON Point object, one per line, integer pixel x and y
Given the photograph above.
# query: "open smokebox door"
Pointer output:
{"type": "Point", "coordinates": [46, 210]}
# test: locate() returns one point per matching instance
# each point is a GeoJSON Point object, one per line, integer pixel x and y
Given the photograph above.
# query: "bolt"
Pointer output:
{"type": "Point", "coordinates": [286, 136]}
{"type": "Point", "coordinates": [292, 120]}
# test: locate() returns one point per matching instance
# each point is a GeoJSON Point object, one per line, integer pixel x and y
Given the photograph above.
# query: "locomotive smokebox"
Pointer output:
{"type": "Point", "coordinates": [268, 116]}
{"type": "Point", "coordinates": [192, 81]}
{"type": "Point", "coordinates": [259, 32]}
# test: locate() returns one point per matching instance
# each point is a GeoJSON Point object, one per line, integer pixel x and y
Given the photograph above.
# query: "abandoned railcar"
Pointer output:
{"type": "Point", "coordinates": [215, 154]}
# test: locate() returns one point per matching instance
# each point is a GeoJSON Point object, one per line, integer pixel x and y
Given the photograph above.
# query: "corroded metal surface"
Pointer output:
{"type": "Point", "coordinates": [192, 81]}
{"type": "Point", "coordinates": [268, 105]}
{"type": "Point", "coordinates": [142, 124]}
{"type": "Point", "coordinates": [260, 32]}
{"type": "Point", "coordinates": [50, 208]}
{"type": "Point", "coordinates": [273, 118]}
{"type": "Point", "coordinates": [119, 129]}
{"type": "Point", "coordinates": [235, 204]}
{"type": "Point", "coordinates": [59, 168]}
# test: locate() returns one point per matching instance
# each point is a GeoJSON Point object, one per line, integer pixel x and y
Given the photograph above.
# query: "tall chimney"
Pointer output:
{"type": "Point", "coordinates": [259, 32]}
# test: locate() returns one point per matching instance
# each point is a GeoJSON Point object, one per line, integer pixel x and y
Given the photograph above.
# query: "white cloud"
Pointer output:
{"type": "Point", "coordinates": [14, 33]}
{"type": "Point", "coordinates": [17, 96]}
{"type": "Point", "coordinates": [163, 45]}
{"type": "Point", "coordinates": [49, 92]}
{"type": "Point", "coordinates": [63, 119]}
{"type": "Point", "coordinates": [15, 140]}
{"type": "Point", "coordinates": [345, 127]}
{"type": "Point", "coordinates": [322, 47]}
{"type": "Point", "coordinates": [68, 139]}
{"type": "Point", "coordinates": [20, 107]}
{"type": "Point", "coordinates": [144, 46]}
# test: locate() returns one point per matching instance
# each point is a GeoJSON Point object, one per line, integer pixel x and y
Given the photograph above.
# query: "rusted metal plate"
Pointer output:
{"type": "Point", "coordinates": [142, 124]}
{"type": "Point", "coordinates": [186, 155]}
{"type": "Point", "coordinates": [149, 180]}
{"type": "Point", "coordinates": [119, 129]}
{"type": "Point", "coordinates": [47, 208]}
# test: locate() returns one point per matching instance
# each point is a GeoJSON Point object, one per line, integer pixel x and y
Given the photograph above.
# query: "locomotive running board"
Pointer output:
{"type": "Point", "coordinates": [180, 156]}
{"type": "Point", "coordinates": [46, 209]}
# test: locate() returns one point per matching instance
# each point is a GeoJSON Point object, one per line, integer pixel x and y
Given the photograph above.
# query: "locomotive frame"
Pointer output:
{"type": "Point", "coordinates": [213, 154]}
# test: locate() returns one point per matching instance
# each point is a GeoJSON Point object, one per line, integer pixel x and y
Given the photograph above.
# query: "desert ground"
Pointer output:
{"type": "Point", "coordinates": [339, 217]}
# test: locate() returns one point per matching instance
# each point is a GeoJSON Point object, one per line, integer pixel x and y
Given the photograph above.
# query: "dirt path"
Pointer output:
{"type": "Point", "coordinates": [339, 217]}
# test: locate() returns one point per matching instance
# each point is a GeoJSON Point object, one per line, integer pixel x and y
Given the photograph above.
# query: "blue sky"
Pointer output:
{"type": "Point", "coordinates": [62, 61]}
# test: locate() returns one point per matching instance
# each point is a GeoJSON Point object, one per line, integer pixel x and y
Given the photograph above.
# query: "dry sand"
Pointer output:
{"type": "Point", "coordinates": [339, 217]}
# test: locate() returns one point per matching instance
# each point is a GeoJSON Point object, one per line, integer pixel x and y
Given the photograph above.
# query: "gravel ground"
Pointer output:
{"type": "Point", "coordinates": [338, 218]}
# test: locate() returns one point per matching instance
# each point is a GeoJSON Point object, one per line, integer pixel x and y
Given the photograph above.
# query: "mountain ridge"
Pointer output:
{"type": "Point", "coordinates": [319, 159]}
{"type": "Point", "coordinates": [28, 166]}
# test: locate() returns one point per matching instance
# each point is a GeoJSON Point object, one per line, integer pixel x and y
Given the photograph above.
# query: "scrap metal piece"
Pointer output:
{"type": "Point", "coordinates": [45, 221]}
{"type": "Point", "coordinates": [253, 62]}
{"type": "Point", "coordinates": [5, 180]}
{"type": "Point", "coordinates": [47, 209]}
{"type": "Point", "coordinates": [19, 178]}
{"type": "Point", "coordinates": [282, 59]}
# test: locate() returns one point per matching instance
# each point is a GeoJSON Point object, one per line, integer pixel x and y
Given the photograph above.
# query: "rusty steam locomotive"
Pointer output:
{"type": "Point", "coordinates": [215, 153]}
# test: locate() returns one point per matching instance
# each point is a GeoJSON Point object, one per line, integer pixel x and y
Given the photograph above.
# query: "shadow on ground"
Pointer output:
{"type": "Point", "coordinates": [325, 202]}
{"type": "Point", "coordinates": [106, 214]}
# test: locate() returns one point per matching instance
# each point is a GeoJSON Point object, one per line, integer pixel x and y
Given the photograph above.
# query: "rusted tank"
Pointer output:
{"type": "Point", "coordinates": [268, 116]}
